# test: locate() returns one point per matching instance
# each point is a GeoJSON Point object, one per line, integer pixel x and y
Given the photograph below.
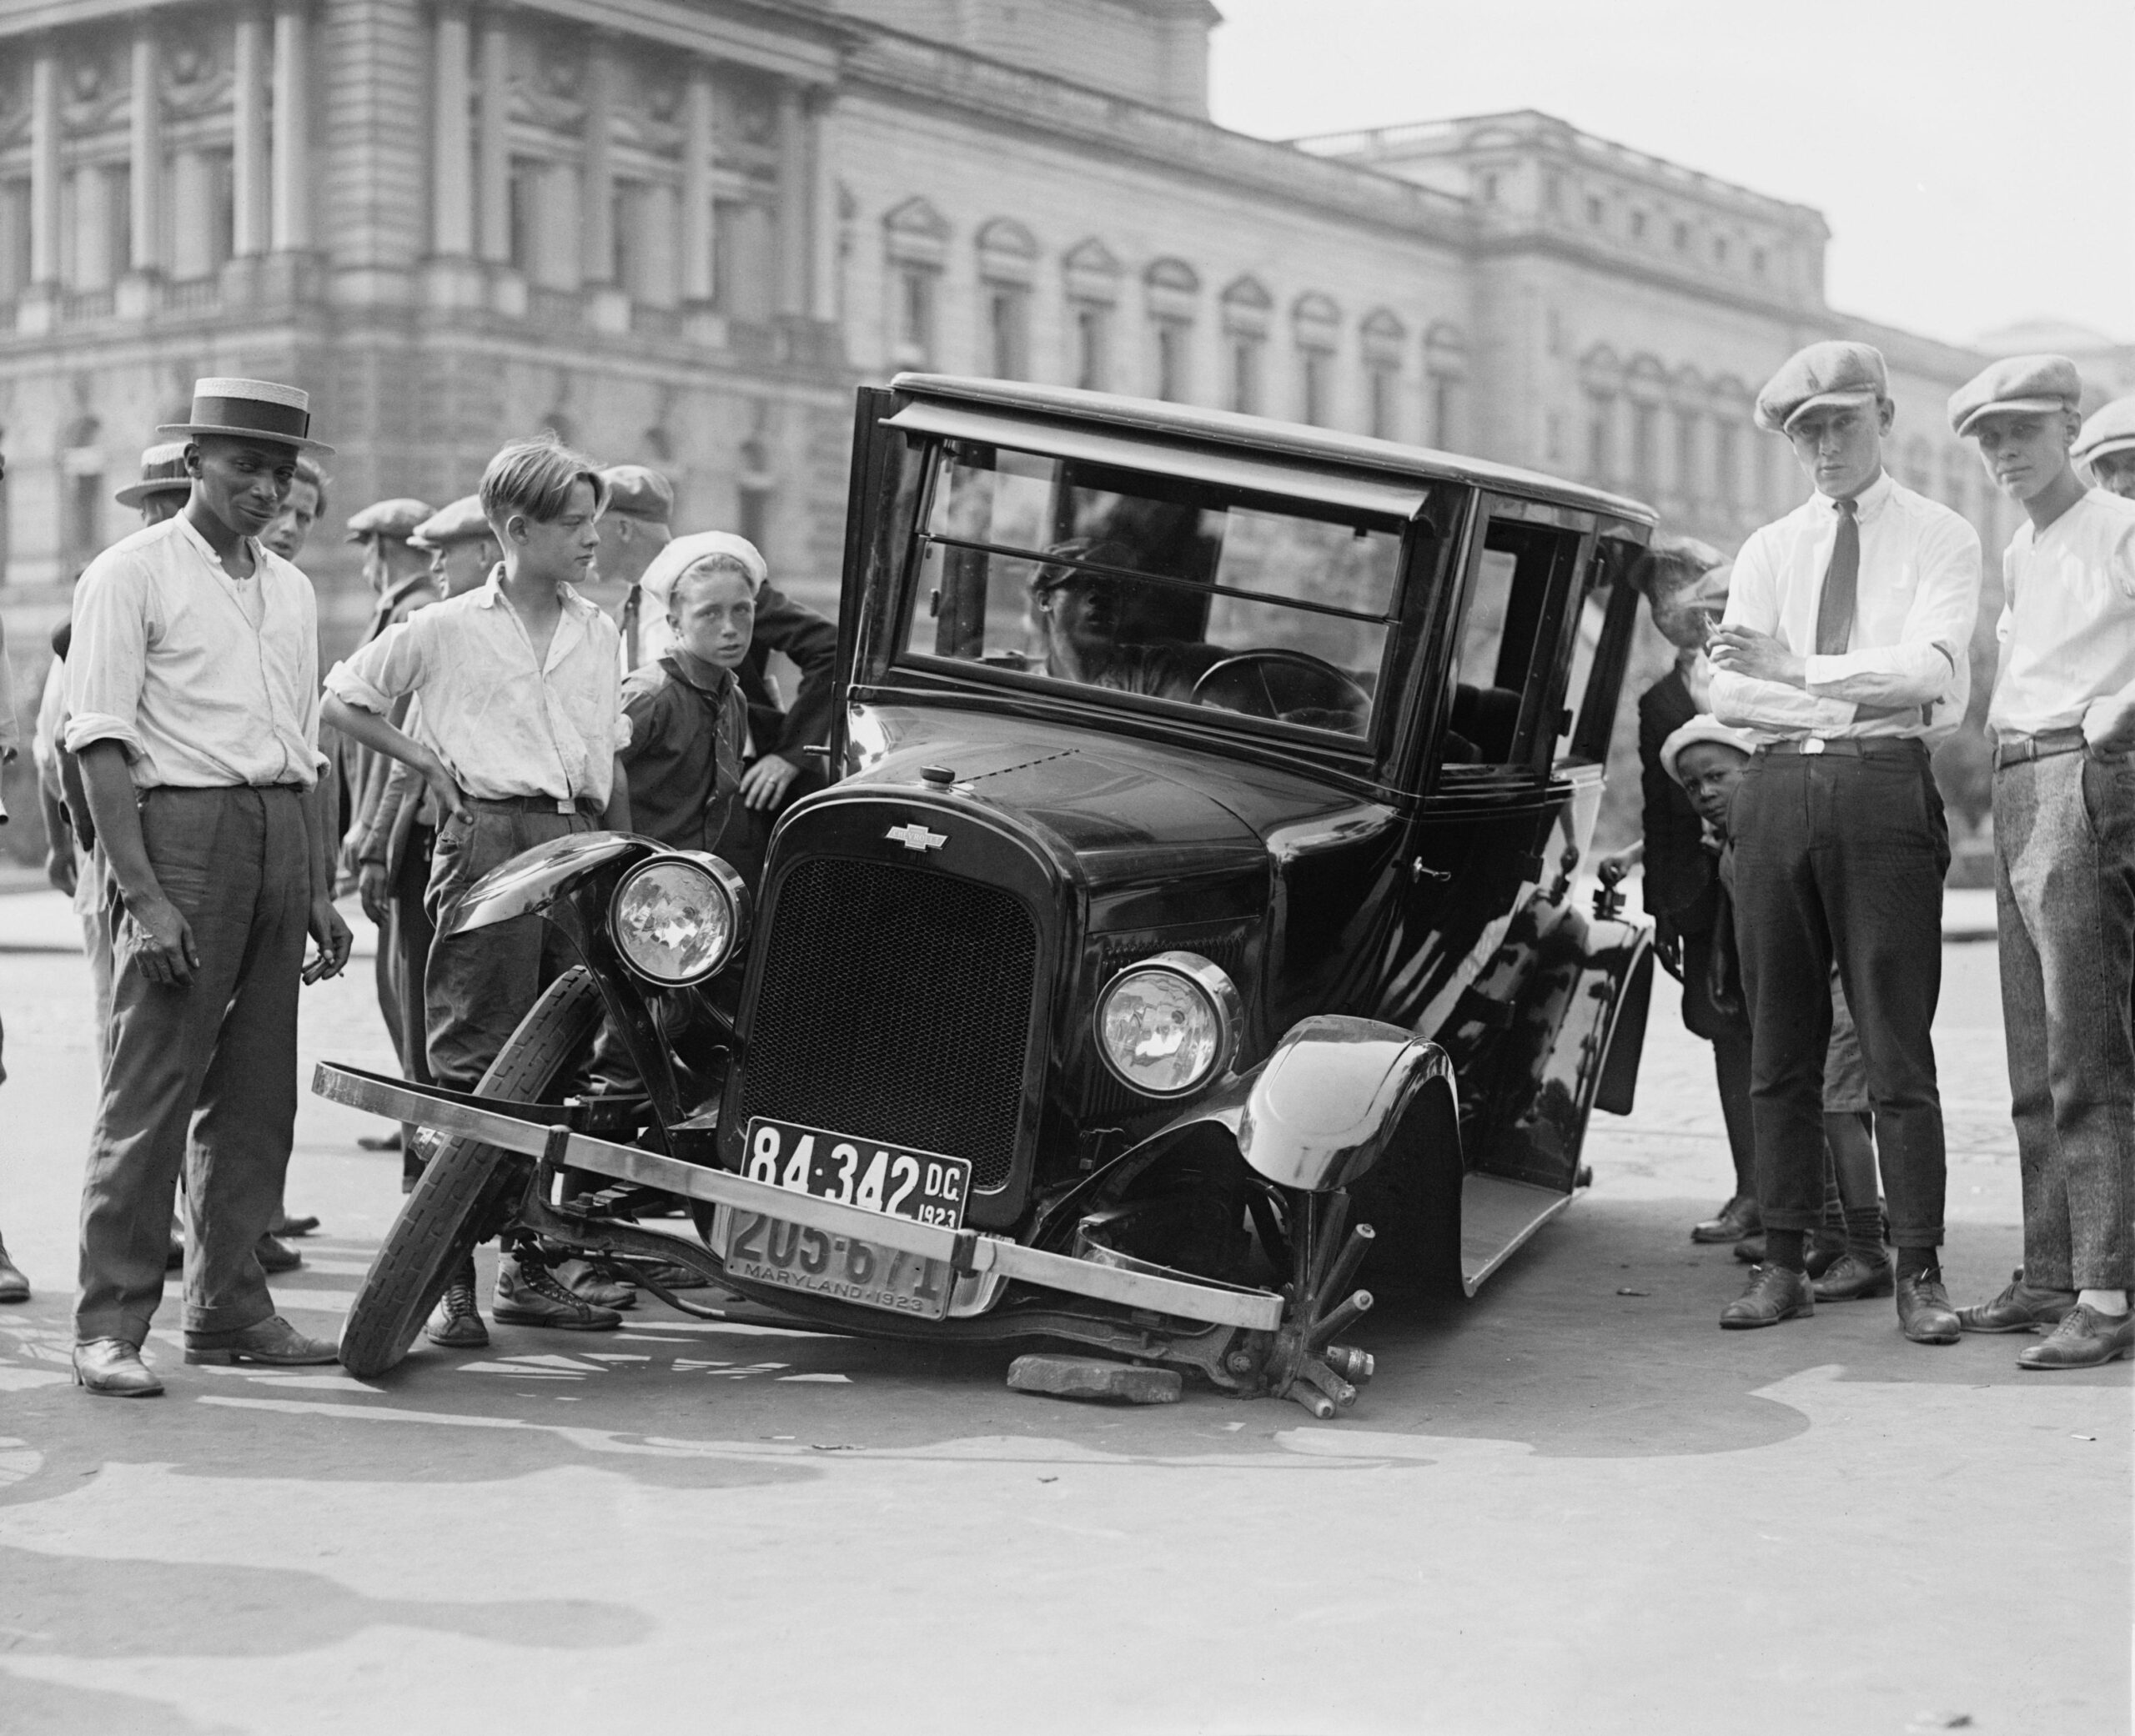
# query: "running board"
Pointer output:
{"type": "Point", "coordinates": [512, 1127]}
{"type": "Point", "coordinates": [1496, 1216]}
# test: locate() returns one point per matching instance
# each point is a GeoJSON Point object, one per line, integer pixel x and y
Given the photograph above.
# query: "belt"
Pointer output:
{"type": "Point", "coordinates": [2019, 749]}
{"type": "Point", "coordinates": [1849, 747]}
{"type": "Point", "coordinates": [528, 804]}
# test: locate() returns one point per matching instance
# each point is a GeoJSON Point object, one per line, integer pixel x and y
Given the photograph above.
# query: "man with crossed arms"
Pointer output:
{"type": "Point", "coordinates": [1845, 649]}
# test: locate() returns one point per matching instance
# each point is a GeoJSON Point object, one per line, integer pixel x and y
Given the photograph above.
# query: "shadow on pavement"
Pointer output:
{"type": "Point", "coordinates": [53, 1708]}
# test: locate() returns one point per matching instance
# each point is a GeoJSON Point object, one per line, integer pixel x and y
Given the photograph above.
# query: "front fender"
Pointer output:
{"type": "Point", "coordinates": [1326, 1105]}
{"type": "Point", "coordinates": [530, 883]}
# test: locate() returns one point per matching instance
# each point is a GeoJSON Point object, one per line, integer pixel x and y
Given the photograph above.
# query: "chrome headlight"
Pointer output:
{"type": "Point", "coordinates": [677, 919]}
{"type": "Point", "coordinates": [1170, 1024]}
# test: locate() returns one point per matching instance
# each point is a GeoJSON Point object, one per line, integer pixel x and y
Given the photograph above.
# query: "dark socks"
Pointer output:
{"type": "Point", "coordinates": [1863, 1234]}
{"type": "Point", "coordinates": [1917, 1262]}
{"type": "Point", "coordinates": [1784, 1247]}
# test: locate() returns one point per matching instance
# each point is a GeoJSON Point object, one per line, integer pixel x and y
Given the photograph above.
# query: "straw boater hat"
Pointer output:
{"type": "Point", "coordinates": [163, 472]}
{"type": "Point", "coordinates": [251, 409]}
{"type": "Point", "coordinates": [2110, 432]}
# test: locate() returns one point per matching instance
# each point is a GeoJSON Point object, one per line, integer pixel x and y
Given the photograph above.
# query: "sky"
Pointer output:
{"type": "Point", "coordinates": [1976, 162]}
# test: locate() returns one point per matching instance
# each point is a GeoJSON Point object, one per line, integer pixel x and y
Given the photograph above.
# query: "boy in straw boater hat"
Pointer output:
{"type": "Point", "coordinates": [2063, 722]}
{"type": "Point", "coordinates": [193, 688]}
{"type": "Point", "coordinates": [163, 485]}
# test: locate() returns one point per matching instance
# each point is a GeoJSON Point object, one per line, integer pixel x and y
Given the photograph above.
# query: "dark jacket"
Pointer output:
{"type": "Point", "coordinates": [684, 760]}
{"type": "Point", "coordinates": [1680, 882]}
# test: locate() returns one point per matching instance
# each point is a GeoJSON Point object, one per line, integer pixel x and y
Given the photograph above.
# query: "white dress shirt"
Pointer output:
{"type": "Point", "coordinates": [201, 690]}
{"type": "Point", "coordinates": [505, 723]}
{"type": "Point", "coordinates": [2068, 631]}
{"type": "Point", "coordinates": [1917, 597]}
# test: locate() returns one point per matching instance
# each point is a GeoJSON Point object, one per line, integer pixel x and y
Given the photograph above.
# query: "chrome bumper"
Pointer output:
{"type": "Point", "coordinates": [515, 1128]}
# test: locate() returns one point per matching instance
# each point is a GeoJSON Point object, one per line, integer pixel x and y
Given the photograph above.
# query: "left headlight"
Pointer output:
{"type": "Point", "coordinates": [1167, 1026]}
{"type": "Point", "coordinates": [679, 919]}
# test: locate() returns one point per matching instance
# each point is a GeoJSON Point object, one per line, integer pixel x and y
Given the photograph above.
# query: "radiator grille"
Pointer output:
{"type": "Point", "coordinates": [895, 1004]}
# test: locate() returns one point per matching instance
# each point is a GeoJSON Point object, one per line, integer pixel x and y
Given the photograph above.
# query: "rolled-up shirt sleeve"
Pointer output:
{"type": "Point", "coordinates": [1746, 701]}
{"type": "Point", "coordinates": [373, 678]}
{"type": "Point", "coordinates": [107, 658]}
{"type": "Point", "coordinates": [1937, 630]}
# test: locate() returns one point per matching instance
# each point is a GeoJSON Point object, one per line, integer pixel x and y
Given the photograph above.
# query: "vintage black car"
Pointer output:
{"type": "Point", "coordinates": [1198, 884]}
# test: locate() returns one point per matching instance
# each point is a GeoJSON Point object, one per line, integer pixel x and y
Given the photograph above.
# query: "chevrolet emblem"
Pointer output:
{"type": "Point", "coordinates": [916, 836]}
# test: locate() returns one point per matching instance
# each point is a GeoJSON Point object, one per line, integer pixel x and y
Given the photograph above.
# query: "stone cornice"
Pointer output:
{"type": "Point", "coordinates": [1613, 263]}
{"type": "Point", "coordinates": [934, 76]}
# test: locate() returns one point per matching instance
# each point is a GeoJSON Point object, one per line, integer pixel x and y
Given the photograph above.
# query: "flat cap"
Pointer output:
{"type": "Point", "coordinates": [388, 518]}
{"type": "Point", "coordinates": [1706, 728]}
{"type": "Point", "coordinates": [1829, 372]}
{"type": "Point", "coordinates": [2111, 430]}
{"type": "Point", "coordinates": [461, 522]}
{"type": "Point", "coordinates": [637, 493]}
{"type": "Point", "coordinates": [2031, 383]}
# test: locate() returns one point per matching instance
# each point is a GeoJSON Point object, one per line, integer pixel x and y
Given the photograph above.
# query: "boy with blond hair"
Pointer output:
{"type": "Point", "coordinates": [519, 737]}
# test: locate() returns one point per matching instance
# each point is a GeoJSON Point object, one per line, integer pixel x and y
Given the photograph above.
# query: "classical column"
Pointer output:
{"type": "Point", "coordinates": [248, 136]}
{"type": "Point", "coordinates": [44, 166]}
{"type": "Point", "coordinates": [494, 142]}
{"type": "Point", "coordinates": [452, 193]}
{"type": "Point", "coordinates": [597, 218]}
{"type": "Point", "coordinates": [697, 147]}
{"type": "Point", "coordinates": [823, 210]}
{"type": "Point", "coordinates": [792, 242]}
{"type": "Point", "coordinates": [292, 148]}
{"type": "Point", "coordinates": [145, 146]}
{"type": "Point", "coordinates": [191, 216]}
{"type": "Point", "coordinates": [94, 265]}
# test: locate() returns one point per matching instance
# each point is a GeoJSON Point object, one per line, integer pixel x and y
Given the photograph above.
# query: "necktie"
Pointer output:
{"type": "Point", "coordinates": [1842, 584]}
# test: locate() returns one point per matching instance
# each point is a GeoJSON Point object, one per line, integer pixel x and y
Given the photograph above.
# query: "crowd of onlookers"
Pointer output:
{"type": "Point", "coordinates": [545, 658]}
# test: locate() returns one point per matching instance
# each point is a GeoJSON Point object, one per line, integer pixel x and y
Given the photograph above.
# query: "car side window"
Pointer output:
{"type": "Point", "coordinates": [1501, 663]}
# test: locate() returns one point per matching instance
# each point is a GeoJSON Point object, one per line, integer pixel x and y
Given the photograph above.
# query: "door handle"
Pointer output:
{"type": "Point", "coordinates": [1437, 876]}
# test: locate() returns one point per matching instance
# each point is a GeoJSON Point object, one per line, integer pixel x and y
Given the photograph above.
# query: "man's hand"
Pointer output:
{"type": "Point", "coordinates": [372, 889]}
{"type": "Point", "coordinates": [162, 940]}
{"type": "Point", "coordinates": [332, 934]}
{"type": "Point", "coordinates": [1744, 651]}
{"type": "Point", "coordinates": [59, 865]}
{"type": "Point", "coordinates": [2109, 722]}
{"type": "Point", "coordinates": [451, 803]}
{"type": "Point", "coordinates": [764, 784]}
{"type": "Point", "coordinates": [1613, 866]}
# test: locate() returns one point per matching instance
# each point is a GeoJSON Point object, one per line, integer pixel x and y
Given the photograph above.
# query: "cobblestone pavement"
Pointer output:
{"type": "Point", "coordinates": [1570, 1505]}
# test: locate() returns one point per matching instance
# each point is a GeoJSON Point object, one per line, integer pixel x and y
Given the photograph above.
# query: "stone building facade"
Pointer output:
{"type": "Point", "coordinates": [680, 231]}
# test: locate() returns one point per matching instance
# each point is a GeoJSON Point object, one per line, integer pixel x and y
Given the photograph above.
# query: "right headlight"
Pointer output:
{"type": "Point", "coordinates": [1167, 1026]}
{"type": "Point", "coordinates": [677, 919]}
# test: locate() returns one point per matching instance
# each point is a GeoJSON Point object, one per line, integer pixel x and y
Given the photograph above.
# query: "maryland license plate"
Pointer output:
{"type": "Point", "coordinates": [923, 1187]}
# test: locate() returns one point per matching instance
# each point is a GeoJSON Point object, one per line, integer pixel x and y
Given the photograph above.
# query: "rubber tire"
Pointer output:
{"type": "Point", "coordinates": [459, 1188]}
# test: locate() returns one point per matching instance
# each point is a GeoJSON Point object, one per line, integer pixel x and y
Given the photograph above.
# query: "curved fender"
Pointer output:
{"type": "Point", "coordinates": [530, 882]}
{"type": "Point", "coordinates": [1331, 1099]}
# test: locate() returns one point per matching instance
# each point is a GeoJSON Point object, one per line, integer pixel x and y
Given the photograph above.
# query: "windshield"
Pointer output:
{"type": "Point", "coordinates": [1053, 569]}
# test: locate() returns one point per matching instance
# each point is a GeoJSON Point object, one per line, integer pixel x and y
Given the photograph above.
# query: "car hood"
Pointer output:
{"type": "Point", "coordinates": [1123, 810]}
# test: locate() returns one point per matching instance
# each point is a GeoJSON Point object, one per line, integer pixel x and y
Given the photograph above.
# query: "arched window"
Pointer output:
{"type": "Point", "coordinates": [81, 462]}
{"type": "Point", "coordinates": [1383, 337]}
{"type": "Point", "coordinates": [1316, 329]}
{"type": "Point", "coordinates": [1092, 278]}
{"type": "Point", "coordinates": [915, 242]}
{"type": "Point", "coordinates": [1173, 289]}
{"type": "Point", "coordinates": [1246, 307]}
{"type": "Point", "coordinates": [1008, 258]}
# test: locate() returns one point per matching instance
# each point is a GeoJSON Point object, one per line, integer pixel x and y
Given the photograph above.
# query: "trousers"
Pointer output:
{"type": "Point", "coordinates": [2064, 895]}
{"type": "Point", "coordinates": [216, 1057]}
{"type": "Point", "coordinates": [1841, 860]}
{"type": "Point", "coordinates": [478, 985]}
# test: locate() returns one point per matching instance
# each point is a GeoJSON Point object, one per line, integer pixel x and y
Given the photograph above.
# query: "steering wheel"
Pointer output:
{"type": "Point", "coordinates": [1289, 686]}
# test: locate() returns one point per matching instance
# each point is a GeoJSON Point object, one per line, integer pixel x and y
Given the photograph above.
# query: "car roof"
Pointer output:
{"type": "Point", "coordinates": [1262, 434]}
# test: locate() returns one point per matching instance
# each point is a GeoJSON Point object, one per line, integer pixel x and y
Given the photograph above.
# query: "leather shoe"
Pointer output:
{"type": "Point", "coordinates": [1750, 1249]}
{"type": "Point", "coordinates": [1738, 1217]}
{"type": "Point", "coordinates": [174, 1256]}
{"type": "Point", "coordinates": [1925, 1315]}
{"type": "Point", "coordinates": [1821, 1254]}
{"type": "Point", "coordinates": [457, 1324]}
{"type": "Point", "coordinates": [273, 1343]}
{"type": "Point", "coordinates": [2084, 1339]}
{"type": "Point", "coordinates": [285, 1225]}
{"type": "Point", "coordinates": [113, 1369]}
{"type": "Point", "coordinates": [584, 1281]}
{"type": "Point", "coordinates": [276, 1256]}
{"type": "Point", "coordinates": [1774, 1294]}
{"type": "Point", "coordinates": [528, 1294]}
{"type": "Point", "coordinates": [1850, 1278]}
{"type": "Point", "coordinates": [14, 1282]}
{"type": "Point", "coordinates": [2017, 1309]}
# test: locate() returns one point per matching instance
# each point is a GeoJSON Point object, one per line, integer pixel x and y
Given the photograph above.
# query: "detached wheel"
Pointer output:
{"type": "Point", "coordinates": [457, 1197]}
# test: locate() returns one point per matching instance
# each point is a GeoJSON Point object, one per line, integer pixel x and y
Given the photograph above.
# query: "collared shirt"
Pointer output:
{"type": "Point", "coordinates": [1917, 597]}
{"type": "Point", "coordinates": [2068, 631]}
{"type": "Point", "coordinates": [204, 687]}
{"type": "Point", "coordinates": [688, 721]}
{"type": "Point", "coordinates": [504, 722]}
